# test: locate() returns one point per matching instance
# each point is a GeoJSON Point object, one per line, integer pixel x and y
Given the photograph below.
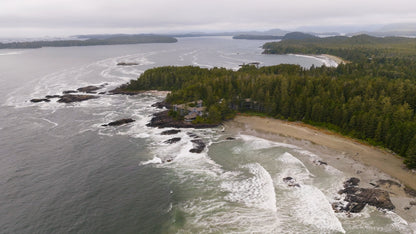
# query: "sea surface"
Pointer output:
{"type": "Point", "coordinates": [61, 171]}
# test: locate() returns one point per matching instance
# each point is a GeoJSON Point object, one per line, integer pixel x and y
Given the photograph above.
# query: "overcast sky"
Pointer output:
{"type": "Point", "coordinates": [20, 18]}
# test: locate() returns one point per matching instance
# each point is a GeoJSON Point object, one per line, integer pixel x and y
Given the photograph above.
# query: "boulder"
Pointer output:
{"type": "Point", "coordinates": [170, 132]}
{"type": "Point", "coordinates": [35, 100]}
{"type": "Point", "coordinates": [230, 138]}
{"type": "Point", "coordinates": [172, 140]}
{"type": "Point", "coordinates": [68, 98]}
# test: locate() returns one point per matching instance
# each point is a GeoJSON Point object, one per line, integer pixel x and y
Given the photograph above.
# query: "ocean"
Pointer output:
{"type": "Point", "coordinates": [61, 171]}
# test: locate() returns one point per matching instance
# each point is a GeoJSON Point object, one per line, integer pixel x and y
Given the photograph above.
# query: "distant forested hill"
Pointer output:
{"type": "Point", "coordinates": [109, 40]}
{"type": "Point", "coordinates": [357, 48]}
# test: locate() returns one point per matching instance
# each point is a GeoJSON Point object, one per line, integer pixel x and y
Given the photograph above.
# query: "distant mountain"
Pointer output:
{"type": "Point", "coordinates": [298, 36]}
{"type": "Point", "coordinates": [92, 40]}
{"type": "Point", "coordinates": [257, 37]}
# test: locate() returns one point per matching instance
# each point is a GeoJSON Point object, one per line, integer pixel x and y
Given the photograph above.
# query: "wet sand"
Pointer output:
{"type": "Point", "coordinates": [355, 159]}
{"type": "Point", "coordinates": [367, 155]}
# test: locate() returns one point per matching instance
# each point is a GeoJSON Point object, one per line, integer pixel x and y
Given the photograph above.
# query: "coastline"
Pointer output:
{"type": "Point", "coordinates": [327, 59]}
{"type": "Point", "coordinates": [353, 158]}
{"type": "Point", "coordinates": [366, 155]}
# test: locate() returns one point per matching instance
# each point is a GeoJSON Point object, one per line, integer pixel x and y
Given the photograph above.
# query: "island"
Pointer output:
{"type": "Point", "coordinates": [93, 41]}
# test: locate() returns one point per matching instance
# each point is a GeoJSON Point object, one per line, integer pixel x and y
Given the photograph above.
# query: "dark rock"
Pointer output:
{"type": "Point", "coordinates": [173, 140]}
{"type": "Point", "coordinates": [322, 162]}
{"type": "Point", "coordinates": [170, 132]}
{"type": "Point", "coordinates": [120, 122]}
{"type": "Point", "coordinates": [163, 120]}
{"type": "Point", "coordinates": [388, 183]}
{"type": "Point", "coordinates": [40, 100]}
{"type": "Point", "coordinates": [412, 203]}
{"type": "Point", "coordinates": [52, 96]}
{"type": "Point", "coordinates": [89, 89]}
{"type": "Point", "coordinates": [193, 135]}
{"type": "Point", "coordinates": [407, 208]}
{"type": "Point", "coordinates": [68, 98]}
{"type": "Point", "coordinates": [162, 104]}
{"type": "Point", "coordinates": [355, 207]}
{"type": "Point", "coordinates": [199, 146]}
{"type": "Point", "coordinates": [127, 64]}
{"type": "Point", "coordinates": [69, 91]}
{"type": "Point", "coordinates": [291, 182]}
{"type": "Point", "coordinates": [287, 179]}
{"type": "Point", "coordinates": [353, 181]}
{"type": "Point", "coordinates": [361, 196]}
{"type": "Point", "coordinates": [101, 93]}
{"type": "Point", "coordinates": [230, 138]}
{"type": "Point", "coordinates": [410, 191]}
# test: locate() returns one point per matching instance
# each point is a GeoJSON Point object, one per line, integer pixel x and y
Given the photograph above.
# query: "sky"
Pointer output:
{"type": "Point", "coordinates": [36, 18]}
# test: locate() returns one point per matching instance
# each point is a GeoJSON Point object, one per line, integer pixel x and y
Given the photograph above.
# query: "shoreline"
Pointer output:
{"type": "Point", "coordinates": [354, 159]}
{"type": "Point", "coordinates": [367, 155]}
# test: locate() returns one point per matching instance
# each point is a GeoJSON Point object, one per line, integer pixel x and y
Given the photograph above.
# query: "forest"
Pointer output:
{"type": "Point", "coordinates": [114, 40]}
{"type": "Point", "coordinates": [371, 98]}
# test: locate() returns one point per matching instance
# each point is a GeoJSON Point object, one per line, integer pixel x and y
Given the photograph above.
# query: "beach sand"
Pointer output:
{"type": "Point", "coordinates": [354, 158]}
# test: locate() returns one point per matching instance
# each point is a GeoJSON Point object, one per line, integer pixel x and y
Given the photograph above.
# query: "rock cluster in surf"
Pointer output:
{"type": "Point", "coordinates": [357, 198]}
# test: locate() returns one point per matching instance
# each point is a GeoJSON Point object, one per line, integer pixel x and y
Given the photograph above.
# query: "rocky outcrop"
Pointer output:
{"type": "Point", "coordinates": [162, 104]}
{"type": "Point", "coordinates": [119, 122]}
{"type": "Point", "coordinates": [88, 89]}
{"type": "Point", "coordinates": [172, 140]}
{"type": "Point", "coordinates": [127, 64]}
{"type": "Point", "coordinates": [163, 120]}
{"type": "Point", "coordinates": [170, 132]}
{"type": "Point", "coordinates": [68, 98]}
{"type": "Point", "coordinates": [357, 198]}
{"type": "Point", "coordinates": [199, 146]}
{"type": "Point", "coordinates": [35, 100]}
{"type": "Point", "coordinates": [121, 90]}
{"type": "Point", "coordinates": [52, 96]}
{"type": "Point", "coordinates": [69, 91]}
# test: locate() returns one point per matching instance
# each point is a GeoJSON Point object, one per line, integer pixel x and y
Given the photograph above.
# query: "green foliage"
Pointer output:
{"type": "Point", "coordinates": [373, 100]}
{"type": "Point", "coordinates": [175, 115]}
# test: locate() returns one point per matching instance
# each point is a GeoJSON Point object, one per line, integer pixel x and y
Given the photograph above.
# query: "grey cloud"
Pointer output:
{"type": "Point", "coordinates": [191, 14]}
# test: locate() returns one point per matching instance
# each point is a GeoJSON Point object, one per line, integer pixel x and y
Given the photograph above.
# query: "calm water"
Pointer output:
{"type": "Point", "coordinates": [62, 172]}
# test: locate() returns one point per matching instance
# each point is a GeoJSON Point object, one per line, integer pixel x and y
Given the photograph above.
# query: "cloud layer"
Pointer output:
{"type": "Point", "coordinates": [64, 17]}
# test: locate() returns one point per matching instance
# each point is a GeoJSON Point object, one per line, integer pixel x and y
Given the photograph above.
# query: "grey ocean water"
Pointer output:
{"type": "Point", "coordinates": [62, 172]}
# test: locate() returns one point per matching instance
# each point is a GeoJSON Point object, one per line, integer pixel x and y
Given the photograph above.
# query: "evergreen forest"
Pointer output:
{"type": "Point", "coordinates": [371, 97]}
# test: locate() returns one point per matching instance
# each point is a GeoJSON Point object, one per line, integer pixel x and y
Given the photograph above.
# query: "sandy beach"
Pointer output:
{"type": "Point", "coordinates": [354, 158]}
